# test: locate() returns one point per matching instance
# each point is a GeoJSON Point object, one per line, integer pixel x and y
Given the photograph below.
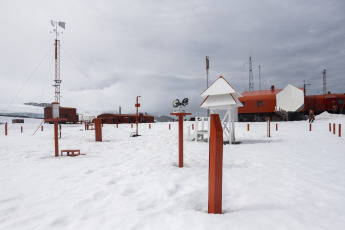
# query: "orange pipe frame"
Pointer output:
{"type": "Point", "coordinates": [98, 129]}
{"type": "Point", "coordinates": [215, 166]}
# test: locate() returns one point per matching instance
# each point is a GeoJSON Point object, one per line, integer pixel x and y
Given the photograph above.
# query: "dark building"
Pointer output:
{"type": "Point", "coordinates": [125, 118]}
{"type": "Point", "coordinates": [64, 112]}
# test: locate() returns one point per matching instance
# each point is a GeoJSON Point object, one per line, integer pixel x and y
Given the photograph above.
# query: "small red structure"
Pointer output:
{"type": "Point", "coordinates": [68, 114]}
{"type": "Point", "coordinates": [125, 118]}
{"type": "Point", "coordinates": [98, 129]}
{"type": "Point", "coordinates": [180, 136]}
{"type": "Point", "coordinates": [17, 121]}
{"type": "Point", "coordinates": [215, 166]}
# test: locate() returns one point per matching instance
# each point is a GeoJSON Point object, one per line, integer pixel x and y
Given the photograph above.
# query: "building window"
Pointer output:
{"type": "Point", "coordinates": [340, 101]}
{"type": "Point", "coordinates": [260, 103]}
{"type": "Point", "coordinates": [244, 104]}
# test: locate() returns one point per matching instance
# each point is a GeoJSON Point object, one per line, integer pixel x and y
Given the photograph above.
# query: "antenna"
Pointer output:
{"type": "Point", "coordinates": [207, 69]}
{"type": "Point", "coordinates": [324, 82]}
{"type": "Point", "coordinates": [259, 77]}
{"type": "Point", "coordinates": [57, 80]}
{"type": "Point", "coordinates": [251, 81]}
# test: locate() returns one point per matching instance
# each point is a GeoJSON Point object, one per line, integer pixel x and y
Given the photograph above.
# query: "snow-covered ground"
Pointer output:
{"type": "Point", "coordinates": [293, 180]}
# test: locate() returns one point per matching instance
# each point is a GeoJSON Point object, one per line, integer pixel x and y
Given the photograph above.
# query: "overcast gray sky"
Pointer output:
{"type": "Point", "coordinates": [112, 51]}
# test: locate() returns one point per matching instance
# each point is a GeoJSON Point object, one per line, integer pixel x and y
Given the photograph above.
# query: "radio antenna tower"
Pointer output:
{"type": "Point", "coordinates": [251, 81]}
{"type": "Point", "coordinates": [259, 78]}
{"type": "Point", "coordinates": [324, 82]}
{"type": "Point", "coordinates": [207, 69]}
{"type": "Point", "coordinates": [57, 80]}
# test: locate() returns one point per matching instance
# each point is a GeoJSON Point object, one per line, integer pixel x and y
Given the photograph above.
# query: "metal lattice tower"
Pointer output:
{"type": "Point", "coordinates": [207, 70]}
{"type": "Point", "coordinates": [251, 80]}
{"type": "Point", "coordinates": [324, 82]}
{"type": "Point", "coordinates": [57, 80]}
{"type": "Point", "coordinates": [259, 77]}
{"type": "Point", "coordinates": [57, 71]}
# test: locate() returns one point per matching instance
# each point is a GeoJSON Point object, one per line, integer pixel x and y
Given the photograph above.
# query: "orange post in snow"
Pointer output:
{"type": "Point", "coordinates": [310, 127]}
{"type": "Point", "coordinates": [276, 127]}
{"type": "Point", "coordinates": [56, 133]}
{"type": "Point", "coordinates": [6, 129]}
{"type": "Point", "coordinates": [149, 126]}
{"type": "Point", "coordinates": [339, 130]}
{"type": "Point", "coordinates": [98, 129]}
{"type": "Point", "coordinates": [180, 136]}
{"type": "Point", "coordinates": [192, 126]}
{"type": "Point", "coordinates": [137, 105]}
{"type": "Point", "coordinates": [215, 166]}
{"type": "Point", "coordinates": [42, 128]}
{"type": "Point", "coordinates": [268, 127]}
{"type": "Point", "coordinates": [169, 126]}
{"type": "Point", "coordinates": [117, 125]}
{"type": "Point", "coordinates": [333, 128]}
{"type": "Point", "coordinates": [131, 125]}
{"type": "Point", "coordinates": [21, 129]}
{"type": "Point", "coordinates": [330, 127]}
{"type": "Point", "coordinates": [247, 127]}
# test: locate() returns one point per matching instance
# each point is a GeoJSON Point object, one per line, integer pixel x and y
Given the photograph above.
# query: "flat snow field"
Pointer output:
{"type": "Point", "coordinates": [293, 180]}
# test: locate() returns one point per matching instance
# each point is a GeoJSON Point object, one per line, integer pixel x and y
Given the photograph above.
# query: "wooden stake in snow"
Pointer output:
{"type": "Point", "coordinates": [98, 129]}
{"type": "Point", "coordinates": [215, 166]}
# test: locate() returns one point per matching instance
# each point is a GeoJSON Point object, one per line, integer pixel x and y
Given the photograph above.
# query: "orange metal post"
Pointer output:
{"type": "Point", "coordinates": [276, 127]}
{"type": "Point", "coordinates": [180, 136]}
{"type": "Point", "coordinates": [330, 127]}
{"type": "Point", "coordinates": [310, 127]}
{"type": "Point", "coordinates": [339, 130]}
{"type": "Point", "coordinates": [333, 128]}
{"type": "Point", "coordinates": [21, 129]}
{"type": "Point", "coordinates": [117, 125]}
{"type": "Point", "coordinates": [169, 126]}
{"type": "Point", "coordinates": [180, 141]}
{"type": "Point", "coordinates": [42, 128]}
{"type": "Point", "coordinates": [192, 126]}
{"type": "Point", "coordinates": [149, 126]}
{"type": "Point", "coordinates": [268, 127]}
{"type": "Point", "coordinates": [6, 129]}
{"type": "Point", "coordinates": [247, 127]}
{"type": "Point", "coordinates": [137, 105]}
{"type": "Point", "coordinates": [215, 166]}
{"type": "Point", "coordinates": [98, 129]}
{"type": "Point", "coordinates": [56, 136]}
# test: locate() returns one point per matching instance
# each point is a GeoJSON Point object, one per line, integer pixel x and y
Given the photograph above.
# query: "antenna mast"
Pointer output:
{"type": "Point", "coordinates": [251, 81]}
{"type": "Point", "coordinates": [57, 57]}
{"type": "Point", "coordinates": [324, 82]}
{"type": "Point", "coordinates": [207, 69]}
{"type": "Point", "coordinates": [259, 77]}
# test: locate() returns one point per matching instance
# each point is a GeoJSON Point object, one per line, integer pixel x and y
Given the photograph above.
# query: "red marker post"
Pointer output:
{"type": "Point", "coordinates": [56, 133]}
{"type": "Point", "coordinates": [137, 105]}
{"type": "Point", "coordinates": [215, 166]}
{"type": "Point", "coordinates": [42, 128]}
{"type": "Point", "coordinates": [247, 127]}
{"type": "Point", "coordinates": [6, 129]}
{"type": "Point", "coordinates": [98, 129]}
{"type": "Point", "coordinates": [310, 127]}
{"type": "Point", "coordinates": [333, 128]}
{"type": "Point", "coordinates": [180, 136]}
{"type": "Point", "coordinates": [268, 127]}
{"type": "Point", "coordinates": [21, 129]}
{"type": "Point", "coordinates": [276, 127]}
{"type": "Point", "coordinates": [339, 130]}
